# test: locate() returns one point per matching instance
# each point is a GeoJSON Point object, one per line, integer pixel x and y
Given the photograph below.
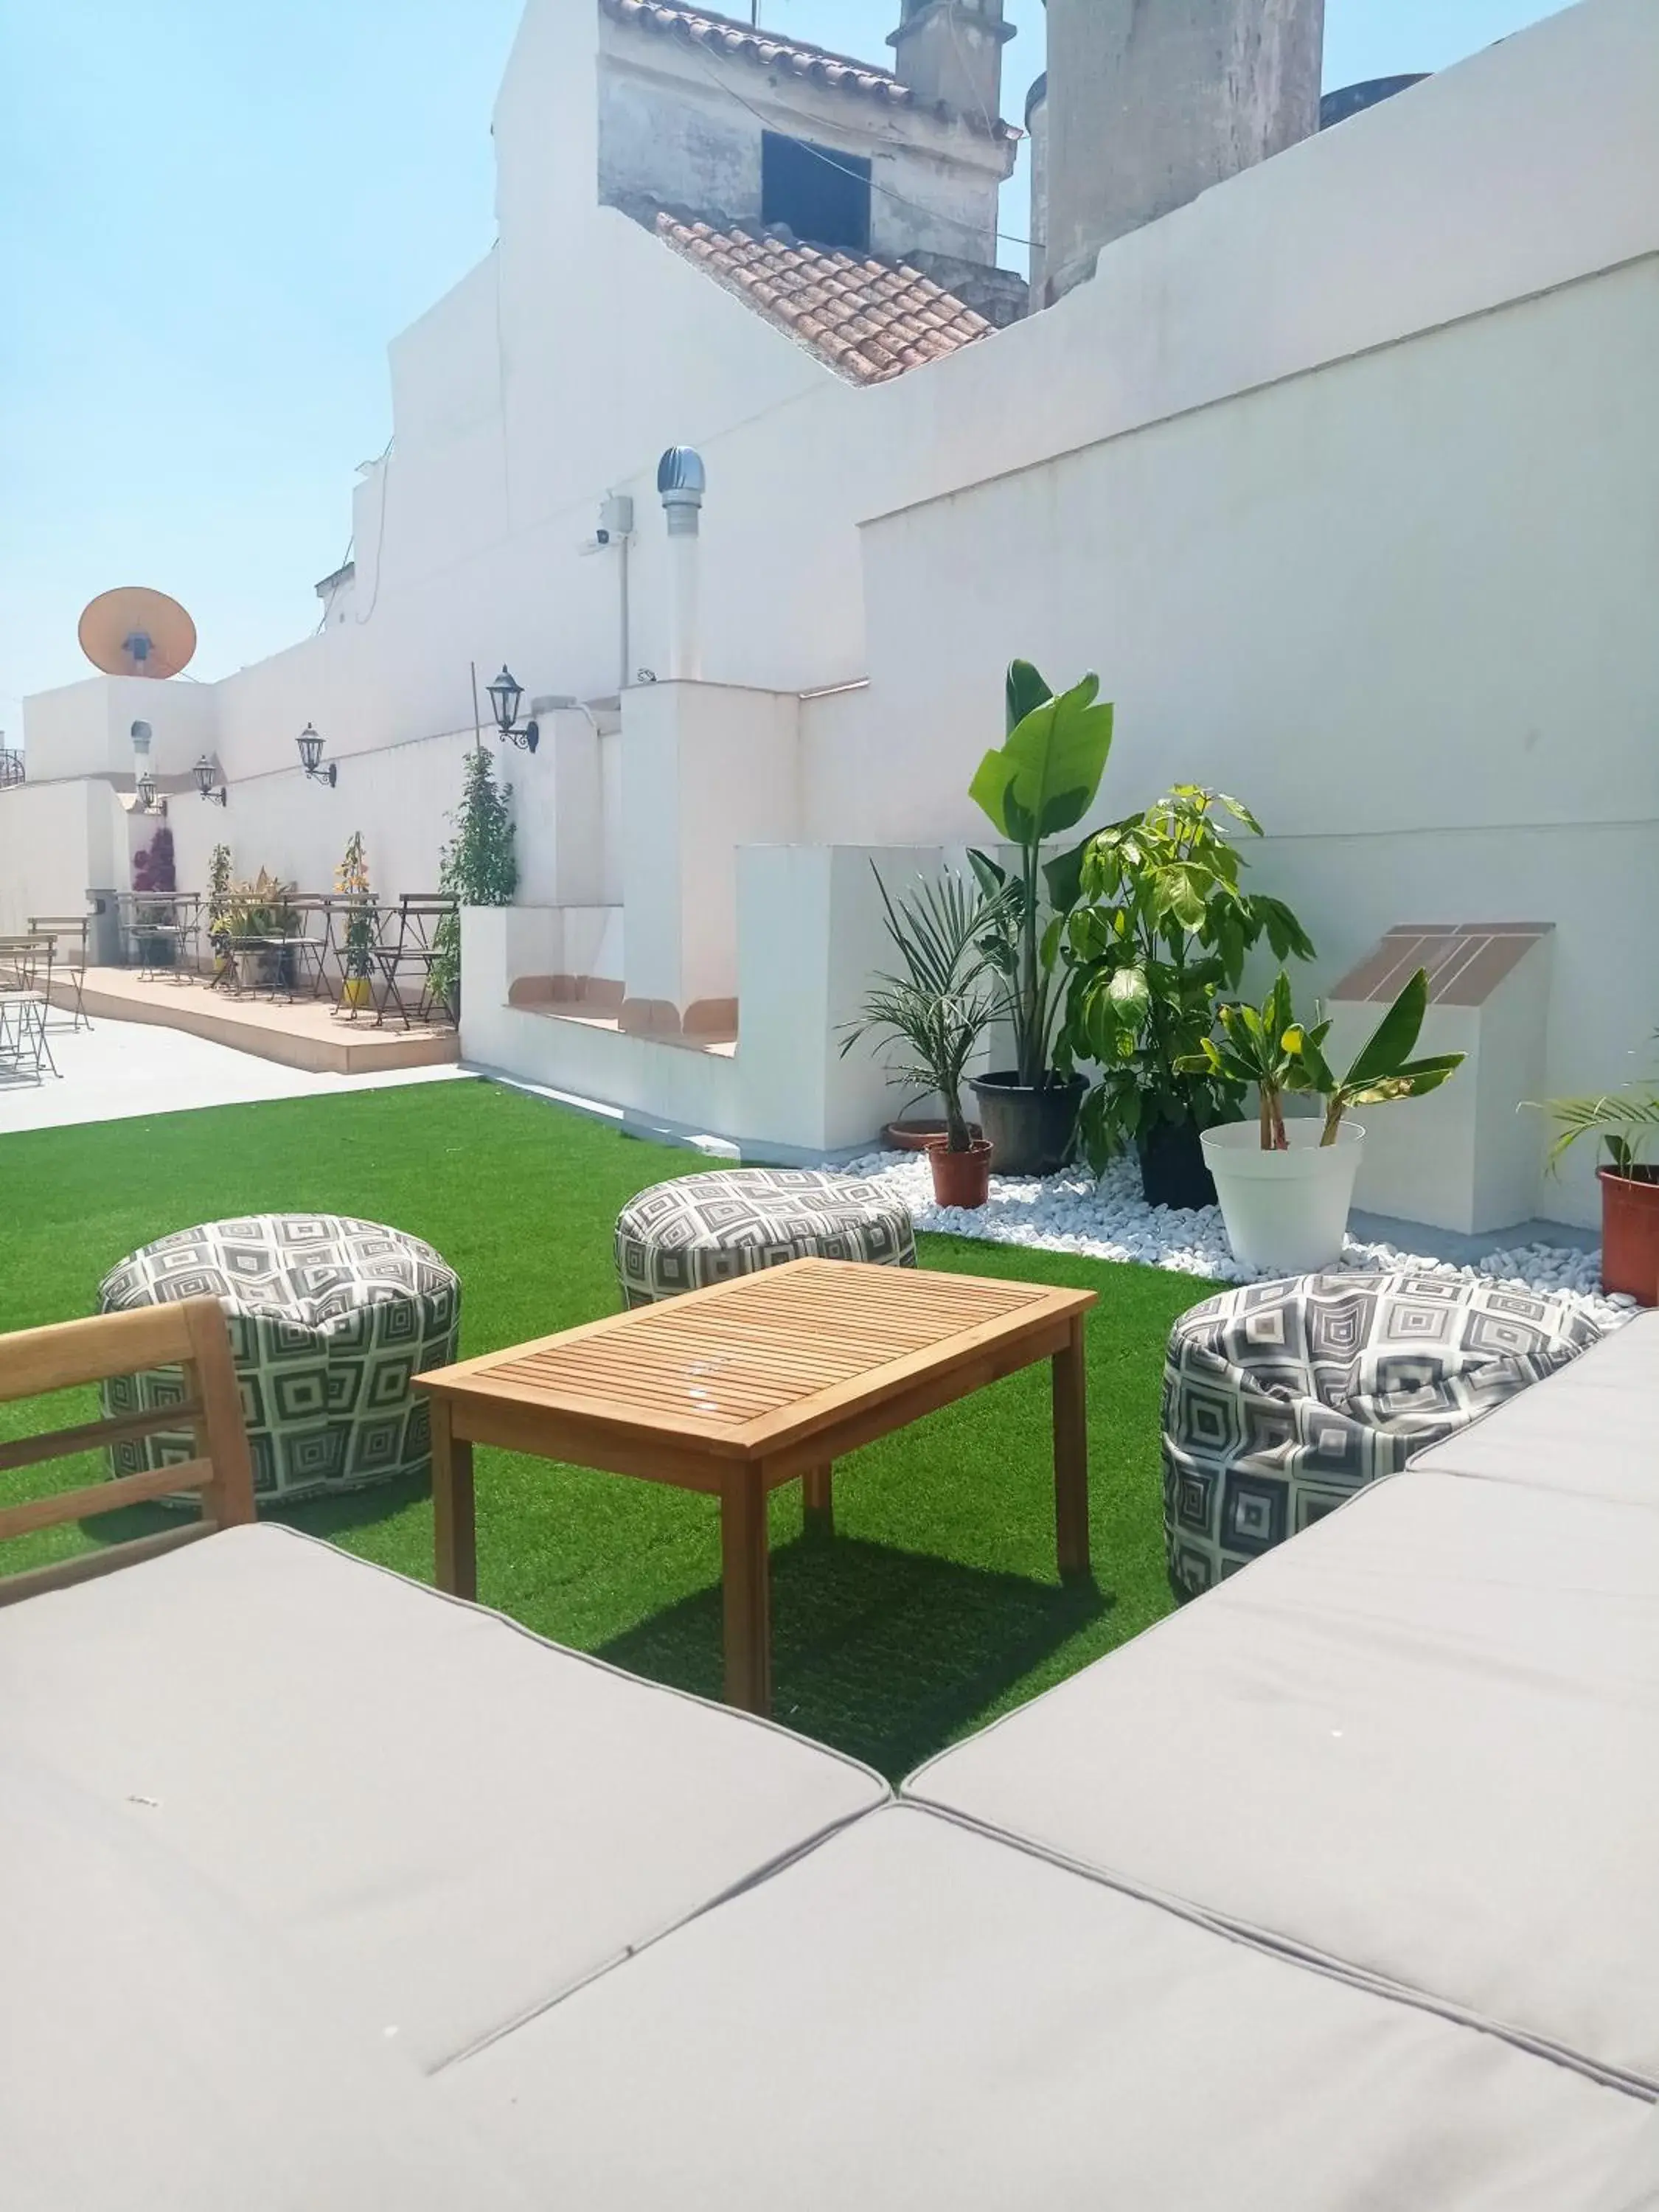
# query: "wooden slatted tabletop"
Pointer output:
{"type": "Point", "coordinates": [736, 1389]}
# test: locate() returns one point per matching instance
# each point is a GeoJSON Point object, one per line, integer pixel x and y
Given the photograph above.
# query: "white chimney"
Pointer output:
{"type": "Point", "coordinates": [682, 480]}
{"type": "Point", "coordinates": [948, 52]}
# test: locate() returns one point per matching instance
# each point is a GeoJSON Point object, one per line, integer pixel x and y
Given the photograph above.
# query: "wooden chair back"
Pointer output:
{"type": "Point", "coordinates": [191, 1335]}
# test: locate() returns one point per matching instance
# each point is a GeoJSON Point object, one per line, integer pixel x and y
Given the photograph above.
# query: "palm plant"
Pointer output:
{"type": "Point", "coordinates": [1623, 1122]}
{"type": "Point", "coordinates": [938, 1008]}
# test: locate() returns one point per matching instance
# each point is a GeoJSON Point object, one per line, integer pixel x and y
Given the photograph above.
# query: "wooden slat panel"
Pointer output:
{"type": "Point", "coordinates": [769, 1342]}
{"type": "Point", "coordinates": [104, 1497]}
{"type": "Point", "coordinates": [221, 1433]}
{"type": "Point", "coordinates": [37, 1360]}
{"type": "Point", "coordinates": [87, 1566]}
{"type": "Point", "coordinates": [860, 1281]}
{"type": "Point", "coordinates": [94, 1436]}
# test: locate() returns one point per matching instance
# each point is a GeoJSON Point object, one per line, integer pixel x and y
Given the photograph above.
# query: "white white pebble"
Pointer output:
{"type": "Point", "coordinates": [1110, 1220]}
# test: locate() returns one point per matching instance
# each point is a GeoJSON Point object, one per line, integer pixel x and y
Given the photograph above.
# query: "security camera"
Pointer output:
{"type": "Point", "coordinates": [602, 538]}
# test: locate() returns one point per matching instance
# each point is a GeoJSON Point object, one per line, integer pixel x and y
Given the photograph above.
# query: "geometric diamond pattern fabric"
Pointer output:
{"type": "Point", "coordinates": [330, 1318]}
{"type": "Point", "coordinates": [1281, 1399]}
{"type": "Point", "coordinates": [684, 1235]}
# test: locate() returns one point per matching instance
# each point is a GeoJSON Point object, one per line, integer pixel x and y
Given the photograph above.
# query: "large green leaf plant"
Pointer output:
{"type": "Point", "coordinates": [1160, 933]}
{"type": "Point", "coordinates": [1040, 783]}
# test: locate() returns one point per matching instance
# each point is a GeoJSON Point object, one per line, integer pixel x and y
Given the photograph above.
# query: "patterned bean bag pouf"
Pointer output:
{"type": "Point", "coordinates": [329, 1319]}
{"type": "Point", "coordinates": [706, 1229]}
{"type": "Point", "coordinates": [1281, 1399]}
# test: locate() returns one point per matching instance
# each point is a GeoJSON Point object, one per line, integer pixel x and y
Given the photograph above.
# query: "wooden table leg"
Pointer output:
{"type": "Point", "coordinates": [747, 1567]}
{"type": "Point", "coordinates": [819, 1499]}
{"type": "Point", "coordinates": [453, 1522]}
{"type": "Point", "coordinates": [1072, 1456]}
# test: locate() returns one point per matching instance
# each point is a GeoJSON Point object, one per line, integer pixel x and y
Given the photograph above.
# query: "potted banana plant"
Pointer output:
{"type": "Point", "coordinates": [935, 1010]}
{"type": "Point", "coordinates": [1286, 1184]}
{"type": "Point", "coordinates": [1042, 781]}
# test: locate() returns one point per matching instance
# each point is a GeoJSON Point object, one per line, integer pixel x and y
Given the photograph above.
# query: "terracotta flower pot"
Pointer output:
{"type": "Point", "coordinates": [1629, 1235]}
{"type": "Point", "coordinates": [961, 1179]}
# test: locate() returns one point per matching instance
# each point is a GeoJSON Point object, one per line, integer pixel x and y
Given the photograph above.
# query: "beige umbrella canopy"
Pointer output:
{"type": "Point", "coordinates": [134, 632]}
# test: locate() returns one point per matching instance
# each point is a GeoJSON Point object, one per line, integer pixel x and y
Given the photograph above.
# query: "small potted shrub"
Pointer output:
{"type": "Point", "coordinates": [1624, 1124]}
{"type": "Point", "coordinates": [1159, 937]}
{"type": "Point", "coordinates": [1042, 781]}
{"type": "Point", "coordinates": [1286, 1186]}
{"type": "Point", "coordinates": [351, 882]}
{"type": "Point", "coordinates": [936, 1011]}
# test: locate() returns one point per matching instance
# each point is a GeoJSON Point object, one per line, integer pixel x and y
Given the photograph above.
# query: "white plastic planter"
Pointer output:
{"type": "Point", "coordinates": [1286, 1212]}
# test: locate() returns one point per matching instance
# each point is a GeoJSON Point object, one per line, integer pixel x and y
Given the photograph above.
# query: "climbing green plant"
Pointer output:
{"type": "Point", "coordinates": [218, 900]}
{"type": "Point", "coordinates": [479, 867]}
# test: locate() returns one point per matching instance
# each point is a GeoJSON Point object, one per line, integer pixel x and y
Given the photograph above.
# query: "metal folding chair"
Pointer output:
{"type": "Point", "coordinates": [25, 995]}
{"type": "Point", "coordinates": [153, 920]}
{"type": "Point", "coordinates": [305, 953]}
{"type": "Point", "coordinates": [70, 935]}
{"type": "Point", "coordinates": [404, 954]}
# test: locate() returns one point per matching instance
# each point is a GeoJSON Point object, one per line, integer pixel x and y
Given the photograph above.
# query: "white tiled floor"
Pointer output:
{"type": "Point", "coordinates": [116, 1070]}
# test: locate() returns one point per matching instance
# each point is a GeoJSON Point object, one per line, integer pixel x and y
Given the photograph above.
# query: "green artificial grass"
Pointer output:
{"type": "Point", "coordinates": [935, 1607]}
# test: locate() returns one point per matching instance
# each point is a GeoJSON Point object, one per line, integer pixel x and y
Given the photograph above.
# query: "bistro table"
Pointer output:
{"type": "Point", "coordinates": [735, 1390]}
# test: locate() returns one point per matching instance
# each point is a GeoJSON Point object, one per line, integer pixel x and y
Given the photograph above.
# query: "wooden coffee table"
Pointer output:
{"type": "Point", "coordinates": [755, 1383]}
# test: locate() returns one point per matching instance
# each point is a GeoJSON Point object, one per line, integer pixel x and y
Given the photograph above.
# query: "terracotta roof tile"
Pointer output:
{"type": "Point", "coordinates": [869, 319]}
{"type": "Point", "coordinates": [720, 35]}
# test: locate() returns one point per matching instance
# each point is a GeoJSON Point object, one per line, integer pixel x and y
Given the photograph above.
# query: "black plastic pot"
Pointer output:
{"type": "Point", "coordinates": [1031, 1130]}
{"type": "Point", "coordinates": [1172, 1169]}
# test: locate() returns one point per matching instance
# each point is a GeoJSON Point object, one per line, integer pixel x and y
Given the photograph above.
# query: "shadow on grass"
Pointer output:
{"type": "Point", "coordinates": [885, 1655]}
{"type": "Point", "coordinates": [324, 1517]}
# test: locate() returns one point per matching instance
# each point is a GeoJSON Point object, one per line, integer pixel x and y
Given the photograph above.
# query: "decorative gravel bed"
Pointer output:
{"type": "Point", "coordinates": [1110, 1220]}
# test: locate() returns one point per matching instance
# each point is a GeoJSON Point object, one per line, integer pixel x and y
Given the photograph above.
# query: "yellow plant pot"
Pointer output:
{"type": "Point", "coordinates": [355, 991]}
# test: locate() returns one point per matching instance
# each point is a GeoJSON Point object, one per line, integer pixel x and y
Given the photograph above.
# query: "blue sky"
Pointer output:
{"type": "Point", "coordinates": [212, 218]}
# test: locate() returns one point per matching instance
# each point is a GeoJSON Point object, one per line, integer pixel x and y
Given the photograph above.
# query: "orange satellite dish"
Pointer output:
{"type": "Point", "coordinates": [134, 632]}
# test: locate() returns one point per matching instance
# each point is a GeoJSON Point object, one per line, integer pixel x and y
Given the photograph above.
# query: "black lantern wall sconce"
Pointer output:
{"type": "Point", "coordinates": [209, 781]}
{"type": "Point", "coordinates": [311, 759]}
{"type": "Point", "coordinates": [506, 694]}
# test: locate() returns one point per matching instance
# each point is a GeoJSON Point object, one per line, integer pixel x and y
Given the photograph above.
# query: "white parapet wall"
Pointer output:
{"type": "Point", "coordinates": [58, 842]}
{"type": "Point", "coordinates": [810, 936]}
{"type": "Point", "coordinates": [707, 768]}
